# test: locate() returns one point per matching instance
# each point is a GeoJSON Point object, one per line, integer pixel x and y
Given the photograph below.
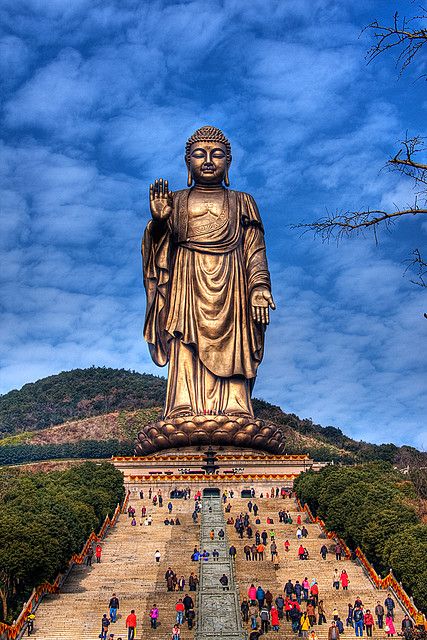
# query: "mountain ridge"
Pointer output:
{"type": "Point", "coordinates": [46, 406]}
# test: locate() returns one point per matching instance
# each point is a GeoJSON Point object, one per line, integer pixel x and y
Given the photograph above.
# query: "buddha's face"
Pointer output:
{"type": "Point", "coordinates": [208, 162]}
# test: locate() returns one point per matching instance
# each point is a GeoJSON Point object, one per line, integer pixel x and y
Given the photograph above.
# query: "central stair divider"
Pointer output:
{"type": "Point", "coordinates": [218, 611]}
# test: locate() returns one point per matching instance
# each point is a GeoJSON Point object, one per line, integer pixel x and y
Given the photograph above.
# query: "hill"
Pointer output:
{"type": "Point", "coordinates": [97, 412]}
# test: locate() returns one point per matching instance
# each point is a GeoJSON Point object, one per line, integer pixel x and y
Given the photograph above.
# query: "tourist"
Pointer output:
{"type": "Point", "coordinates": [30, 623]}
{"type": "Point", "coordinates": [176, 632]}
{"type": "Point", "coordinates": [260, 551]}
{"type": "Point", "coordinates": [232, 552]}
{"type": "Point", "coordinates": [244, 608]}
{"type": "Point", "coordinates": [188, 603]}
{"type": "Point", "coordinates": [368, 620]}
{"type": "Point", "coordinates": [212, 534]}
{"type": "Point", "coordinates": [224, 581]}
{"type": "Point", "coordinates": [312, 635]}
{"type": "Point", "coordinates": [133, 522]}
{"type": "Point", "coordinates": [255, 509]}
{"type": "Point", "coordinates": [247, 551]}
{"type": "Point", "coordinates": [268, 599]}
{"type": "Point", "coordinates": [389, 625]}
{"type": "Point", "coordinates": [157, 556]}
{"type": "Point", "coordinates": [340, 625]}
{"type": "Point", "coordinates": [407, 624]}
{"type": "Point", "coordinates": [338, 551]}
{"type": "Point", "coordinates": [324, 551]}
{"type": "Point", "coordinates": [154, 615]}
{"type": "Point", "coordinates": [105, 623]}
{"type": "Point", "coordinates": [273, 552]}
{"type": "Point", "coordinates": [181, 583]}
{"type": "Point", "coordinates": [254, 550]}
{"type": "Point", "coordinates": [305, 587]}
{"type": "Point", "coordinates": [98, 552]}
{"type": "Point", "coordinates": [221, 534]}
{"type": "Point", "coordinates": [358, 620]}
{"type": "Point", "coordinates": [260, 596]}
{"type": "Point", "coordinates": [287, 545]}
{"type": "Point", "coordinates": [336, 580]}
{"type": "Point", "coordinates": [389, 605]}
{"type": "Point", "coordinates": [379, 612]}
{"type": "Point", "coordinates": [321, 613]}
{"type": "Point", "coordinates": [193, 581]}
{"type": "Point", "coordinates": [305, 624]}
{"type": "Point", "coordinates": [333, 633]}
{"type": "Point", "coordinates": [170, 507]}
{"type": "Point", "coordinates": [299, 534]}
{"type": "Point", "coordinates": [301, 552]}
{"type": "Point", "coordinates": [304, 532]}
{"type": "Point", "coordinates": [314, 592]}
{"type": "Point", "coordinates": [280, 604]}
{"type": "Point", "coordinates": [311, 612]}
{"type": "Point", "coordinates": [180, 608]}
{"type": "Point", "coordinates": [252, 594]}
{"type": "Point", "coordinates": [289, 588]}
{"type": "Point", "coordinates": [274, 615]}
{"type": "Point", "coordinates": [177, 521]}
{"type": "Point", "coordinates": [191, 615]}
{"type": "Point", "coordinates": [253, 613]}
{"type": "Point", "coordinates": [349, 619]}
{"type": "Point", "coordinates": [215, 555]}
{"type": "Point", "coordinates": [89, 557]}
{"type": "Point", "coordinates": [131, 624]}
{"type": "Point", "coordinates": [295, 617]}
{"type": "Point", "coordinates": [264, 615]}
{"type": "Point", "coordinates": [114, 605]}
{"type": "Point", "coordinates": [344, 579]}
{"type": "Point", "coordinates": [298, 591]}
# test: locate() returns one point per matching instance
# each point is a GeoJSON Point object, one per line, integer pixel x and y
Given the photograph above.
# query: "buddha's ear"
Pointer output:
{"type": "Point", "coordinates": [189, 176]}
{"type": "Point", "coordinates": [226, 178]}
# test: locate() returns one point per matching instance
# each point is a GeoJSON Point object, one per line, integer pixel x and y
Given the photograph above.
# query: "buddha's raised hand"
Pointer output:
{"type": "Point", "coordinates": [160, 200]}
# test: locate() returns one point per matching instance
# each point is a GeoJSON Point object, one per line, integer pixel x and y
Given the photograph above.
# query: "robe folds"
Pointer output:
{"type": "Point", "coordinates": [198, 276]}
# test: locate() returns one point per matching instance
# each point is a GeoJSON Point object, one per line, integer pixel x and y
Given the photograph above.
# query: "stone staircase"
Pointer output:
{"type": "Point", "coordinates": [219, 609]}
{"type": "Point", "coordinates": [291, 567]}
{"type": "Point", "coordinates": [127, 568]}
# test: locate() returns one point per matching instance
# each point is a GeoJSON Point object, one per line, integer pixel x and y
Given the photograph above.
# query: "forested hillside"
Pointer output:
{"type": "Point", "coordinates": [377, 508]}
{"type": "Point", "coordinates": [105, 408]}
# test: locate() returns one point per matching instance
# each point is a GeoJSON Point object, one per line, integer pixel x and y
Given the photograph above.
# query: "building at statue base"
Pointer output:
{"type": "Point", "coordinates": [225, 466]}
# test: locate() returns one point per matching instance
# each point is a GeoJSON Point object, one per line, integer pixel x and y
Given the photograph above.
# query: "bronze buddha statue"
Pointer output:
{"type": "Point", "coordinates": [208, 299]}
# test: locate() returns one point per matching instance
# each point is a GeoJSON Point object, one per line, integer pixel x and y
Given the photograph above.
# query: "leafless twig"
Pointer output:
{"type": "Point", "coordinates": [400, 34]}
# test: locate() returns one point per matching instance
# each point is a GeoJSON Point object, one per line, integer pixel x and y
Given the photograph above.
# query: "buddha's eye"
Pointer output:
{"type": "Point", "coordinates": [218, 154]}
{"type": "Point", "coordinates": [198, 154]}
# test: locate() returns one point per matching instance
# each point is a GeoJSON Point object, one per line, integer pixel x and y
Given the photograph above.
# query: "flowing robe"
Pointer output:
{"type": "Point", "coordinates": [198, 276]}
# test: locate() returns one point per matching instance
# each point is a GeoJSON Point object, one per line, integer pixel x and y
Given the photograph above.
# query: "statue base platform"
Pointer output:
{"type": "Point", "coordinates": [204, 430]}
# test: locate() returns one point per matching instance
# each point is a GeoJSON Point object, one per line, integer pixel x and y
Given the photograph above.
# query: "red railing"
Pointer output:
{"type": "Point", "coordinates": [389, 582]}
{"type": "Point", "coordinates": [11, 632]}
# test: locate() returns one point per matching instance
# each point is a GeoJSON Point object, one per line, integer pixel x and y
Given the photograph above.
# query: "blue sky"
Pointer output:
{"type": "Point", "coordinates": [99, 97]}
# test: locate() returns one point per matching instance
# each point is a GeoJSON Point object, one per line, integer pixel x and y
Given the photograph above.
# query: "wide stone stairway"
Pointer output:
{"type": "Point", "coordinates": [128, 569]}
{"type": "Point", "coordinates": [291, 567]}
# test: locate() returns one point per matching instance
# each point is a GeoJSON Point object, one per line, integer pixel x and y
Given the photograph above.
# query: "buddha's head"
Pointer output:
{"type": "Point", "coordinates": [208, 157]}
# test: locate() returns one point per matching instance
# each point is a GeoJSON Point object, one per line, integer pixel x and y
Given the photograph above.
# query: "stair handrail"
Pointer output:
{"type": "Point", "coordinates": [389, 582]}
{"type": "Point", "coordinates": [15, 630]}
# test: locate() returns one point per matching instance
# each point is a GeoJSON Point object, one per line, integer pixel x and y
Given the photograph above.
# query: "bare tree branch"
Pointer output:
{"type": "Point", "coordinates": [355, 222]}
{"type": "Point", "coordinates": [406, 164]}
{"type": "Point", "coordinates": [399, 34]}
{"type": "Point", "coordinates": [417, 264]}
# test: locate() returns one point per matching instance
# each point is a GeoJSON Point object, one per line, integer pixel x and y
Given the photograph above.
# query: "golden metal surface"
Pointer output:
{"type": "Point", "coordinates": [208, 299]}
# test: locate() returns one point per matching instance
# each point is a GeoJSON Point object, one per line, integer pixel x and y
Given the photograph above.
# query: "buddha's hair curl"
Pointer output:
{"type": "Point", "coordinates": [208, 134]}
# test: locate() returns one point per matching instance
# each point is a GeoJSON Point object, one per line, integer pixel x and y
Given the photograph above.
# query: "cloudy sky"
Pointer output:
{"type": "Point", "coordinates": [98, 98]}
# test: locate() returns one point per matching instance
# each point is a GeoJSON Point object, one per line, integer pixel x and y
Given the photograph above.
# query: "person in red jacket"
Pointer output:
{"type": "Point", "coordinates": [98, 552]}
{"type": "Point", "coordinates": [368, 619]}
{"type": "Point", "coordinates": [314, 592]}
{"type": "Point", "coordinates": [180, 608]}
{"type": "Point", "coordinates": [344, 579]}
{"type": "Point", "coordinates": [301, 552]}
{"type": "Point", "coordinates": [131, 625]}
{"type": "Point", "coordinates": [274, 617]}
